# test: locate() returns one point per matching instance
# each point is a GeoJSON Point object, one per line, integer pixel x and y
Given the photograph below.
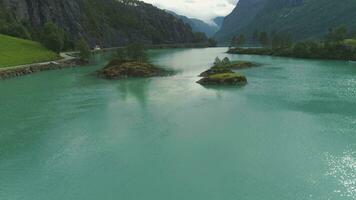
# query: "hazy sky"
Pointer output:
{"type": "Point", "coordinates": [201, 9]}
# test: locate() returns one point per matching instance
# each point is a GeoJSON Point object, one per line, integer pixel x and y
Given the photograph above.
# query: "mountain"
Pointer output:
{"type": "Point", "coordinates": [218, 21]}
{"type": "Point", "coordinates": [303, 19]}
{"type": "Point", "coordinates": [197, 24]}
{"type": "Point", "coordinates": [105, 22]}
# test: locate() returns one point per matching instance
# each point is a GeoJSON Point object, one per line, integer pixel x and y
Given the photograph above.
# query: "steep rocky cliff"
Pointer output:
{"type": "Point", "coordinates": [304, 19]}
{"type": "Point", "coordinates": [105, 22]}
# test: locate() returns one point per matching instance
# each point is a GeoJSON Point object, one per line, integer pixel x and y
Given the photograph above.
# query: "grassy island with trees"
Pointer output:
{"type": "Point", "coordinates": [131, 62]}
{"type": "Point", "coordinates": [222, 73]}
{"type": "Point", "coordinates": [336, 45]}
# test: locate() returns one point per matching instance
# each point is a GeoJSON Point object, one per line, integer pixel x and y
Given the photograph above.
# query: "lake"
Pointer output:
{"type": "Point", "coordinates": [289, 134]}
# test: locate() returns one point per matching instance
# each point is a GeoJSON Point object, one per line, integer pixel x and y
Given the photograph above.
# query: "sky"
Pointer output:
{"type": "Point", "coordinates": [200, 9]}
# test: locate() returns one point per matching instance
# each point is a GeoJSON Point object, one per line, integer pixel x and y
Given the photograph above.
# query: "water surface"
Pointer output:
{"type": "Point", "coordinates": [289, 134]}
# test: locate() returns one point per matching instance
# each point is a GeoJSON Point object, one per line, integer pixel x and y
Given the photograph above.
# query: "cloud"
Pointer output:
{"type": "Point", "coordinates": [201, 9]}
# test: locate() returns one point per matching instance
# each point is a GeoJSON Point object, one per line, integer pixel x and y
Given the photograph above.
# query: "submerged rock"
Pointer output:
{"type": "Point", "coordinates": [118, 69]}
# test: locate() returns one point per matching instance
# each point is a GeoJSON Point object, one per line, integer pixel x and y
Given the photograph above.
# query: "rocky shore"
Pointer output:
{"type": "Point", "coordinates": [13, 72]}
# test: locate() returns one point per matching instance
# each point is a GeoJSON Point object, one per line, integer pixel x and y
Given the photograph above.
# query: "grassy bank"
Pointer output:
{"type": "Point", "coordinates": [16, 51]}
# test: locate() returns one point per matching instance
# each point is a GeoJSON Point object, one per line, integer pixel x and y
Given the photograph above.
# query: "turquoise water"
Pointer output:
{"type": "Point", "coordinates": [289, 134]}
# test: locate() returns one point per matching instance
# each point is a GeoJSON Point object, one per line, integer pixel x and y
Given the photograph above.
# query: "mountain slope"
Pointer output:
{"type": "Point", "coordinates": [197, 24]}
{"type": "Point", "coordinates": [304, 19]}
{"type": "Point", "coordinates": [218, 21]}
{"type": "Point", "coordinates": [104, 22]}
{"type": "Point", "coordinates": [16, 51]}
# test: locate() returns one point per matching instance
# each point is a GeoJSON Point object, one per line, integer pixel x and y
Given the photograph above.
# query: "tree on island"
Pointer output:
{"type": "Point", "coordinates": [217, 61]}
{"type": "Point", "coordinates": [133, 52]}
{"type": "Point", "coordinates": [137, 52]}
{"type": "Point", "coordinates": [225, 61]}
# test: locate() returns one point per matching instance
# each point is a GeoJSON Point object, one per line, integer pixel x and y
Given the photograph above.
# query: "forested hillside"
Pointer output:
{"type": "Point", "coordinates": [104, 22]}
{"type": "Point", "coordinates": [304, 19]}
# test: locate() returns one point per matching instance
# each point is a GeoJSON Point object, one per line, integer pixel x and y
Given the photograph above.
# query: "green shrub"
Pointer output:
{"type": "Point", "coordinates": [83, 48]}
{"type": "Point", "coordinates": [133, 52]}
{"type": "Point", "coordinates": [53, 37]}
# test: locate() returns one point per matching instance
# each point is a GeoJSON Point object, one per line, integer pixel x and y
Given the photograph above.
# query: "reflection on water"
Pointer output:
{"type": "Point", "coordinates": [134, 88]}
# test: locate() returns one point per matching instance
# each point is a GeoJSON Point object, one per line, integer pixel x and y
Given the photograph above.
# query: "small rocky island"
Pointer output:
{"type": "Point", "coordinates": [120, 69]}
{"type": "Point", "coordinates": [222, 73]}
{"type": "Point", "coordinates": [131, 62]}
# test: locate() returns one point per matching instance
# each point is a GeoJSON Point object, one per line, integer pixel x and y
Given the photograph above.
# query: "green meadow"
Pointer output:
{"type": "Point", "coordinates": [16, 51]}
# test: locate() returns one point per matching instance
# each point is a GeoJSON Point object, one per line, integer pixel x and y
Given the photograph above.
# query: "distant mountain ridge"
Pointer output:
{"type": "Point", "coordinates": [198, 25]}
{"type": "Point", "coordinates": [304, 19]}
{"type": "Point", "coordinates": [104, 22]}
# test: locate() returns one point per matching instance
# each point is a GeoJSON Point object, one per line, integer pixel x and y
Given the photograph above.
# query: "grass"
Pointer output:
{"type": "Point", "coordinates": [226, 76]}
{"type": "Point", "coordinates": [16, 51]}
{"type": "Point", "coordinates": [351, 42]}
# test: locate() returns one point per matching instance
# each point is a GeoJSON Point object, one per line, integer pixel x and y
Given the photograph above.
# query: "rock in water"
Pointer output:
{"type": "Point", "coordinates": [130, 69]}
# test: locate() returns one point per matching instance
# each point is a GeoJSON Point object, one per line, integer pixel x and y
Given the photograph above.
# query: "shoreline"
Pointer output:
{"type": "Point", "coordinates": [67, 61]}
{"type": "Point", "coordinates": [268, 52]}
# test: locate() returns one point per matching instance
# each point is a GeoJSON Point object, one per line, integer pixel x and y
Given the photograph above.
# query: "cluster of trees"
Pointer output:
{"type": "Point", "coordinates": [332, 47]}
{"type": "Point", "coordinates": [200, 37]}
{"type": "Point", "coordinates": [53, 37]}
{"type": "Point", "coordinates": [218, 62]}
{"type": "Point", "coordinates": [10, 26]}
{"type": "Point", "coordinates": [238, 41]}
{"type": "Point", "coordinates": [50, 35]}
{"type": "Point", "coordinates": [56, 39]}
{"type": "Point", "coordinates": [281, 44]}
{"type": "Point", "coordinates": [274, 39]}
{"type": "Point", "coordinates": [132, 52]}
